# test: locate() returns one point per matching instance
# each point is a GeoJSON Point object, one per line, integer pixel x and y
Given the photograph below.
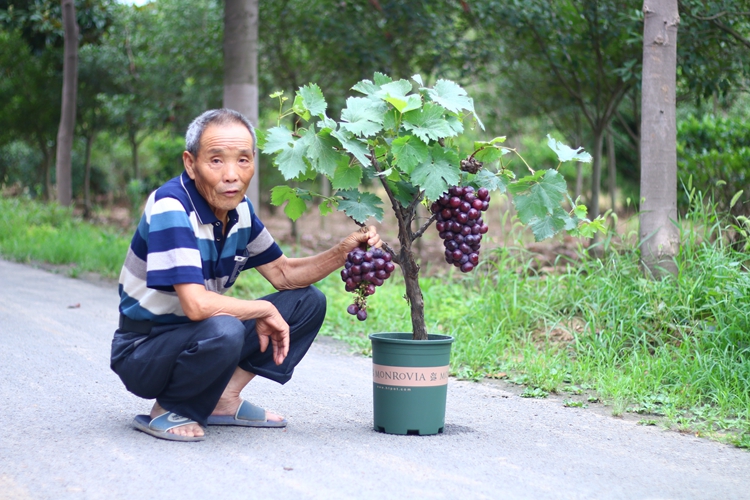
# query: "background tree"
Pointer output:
{"type": "Point", "coordinates": [96, 86]}
{"type": "Point", "coordinates": [586, 48]}
{"type": "Point", "coordinates": [659, 234]}
{"type": "Point", "coordinates": [35, 81]}
{"type": "Point", "coordinates": [68, 107]}
{"type": "Point", "coordinates": [241, 68]}
{"type": "Point", "coordinates": [25, 90]}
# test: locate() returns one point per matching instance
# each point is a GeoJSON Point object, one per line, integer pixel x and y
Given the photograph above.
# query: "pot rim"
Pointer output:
{"type": "Point", "coordinates": [406, 338]}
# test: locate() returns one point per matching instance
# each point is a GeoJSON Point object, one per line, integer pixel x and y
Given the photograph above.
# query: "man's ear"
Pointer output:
{"type": "Point", "coordinates": [189, 161]}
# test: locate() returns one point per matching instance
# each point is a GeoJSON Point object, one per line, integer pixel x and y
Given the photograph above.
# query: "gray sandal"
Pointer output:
{"type": "Point", "coordinates": [247, 415]}
{"type": "Point", "coordinates": [159, 426]}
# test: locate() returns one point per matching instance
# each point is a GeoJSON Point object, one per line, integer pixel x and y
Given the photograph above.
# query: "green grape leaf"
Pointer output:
{"type": "Point", "coordinates": [380, 79]}
{"type": "Point", "coordinates": [453, 97]}
{"type": "Point", "coordinates": [362, 116]}
{"type": "Point", "coordinates": [360, 206]}
{"type": "Point", "coordinates": [397, 89]}
{"type": "Point", "coordinates": [549, 225]}
{"type": "Point", "coordinates": [404, 192]}
{"type": "Point", "coordinates": [390, 120]}
{"type": "Point", "coordinates": [542, 198]}
{"type": "Point", "coordinates": [296, 205]}
{"type": "Point", "coordinates": [346, 177]}
{"type": "Point", "coordinates": [299, 108]}
{"type": "Point", "coordinates": [326, 123]}
{"type": "Point", "coordinates": [309, 174]}
{"type": "Point", "coordinates": [493, 182]}
{"type": "Point", "coordinates": [408, 152]}
{"type": "Point", "coordinates": [406, 104]}
{"type": "Point", "coordinates": [291, 157]}
{"type": "Point", "coordinates": [489, 154]}
{"type": "Point", "coordinates": [366, 87]}
{"type": "Point", "coordinates": [276, 139]}
{"type": "Point", "coordinates": [428, 123]}
{"type": "Point", "coordinates": [439, 172]}
{"type": "Point", "coordinates": [312, 99]}
{"type": "Point", "coordinates": [525, 183]}
{"type": "Point", "coordinates": [455, 124]}
{"type": "Point", "coordinates": [327, 206]}
{"type": "Point", "coordinates": [418, 78]}
{"type": "Point", "coordinates": [291, 161]}
{"type": "Point", "coordinates": [566, 153]}
{"type": "Point", "coordinates": [260, 135]}
{"type": "Point", "coordinates": [588, 229]}
{"type": "Point", "coordinates": [354, 146]}
{"type": "Point", "coordinates": [580, 211]}
{"type": "Point", "coordinates": [322, 152]}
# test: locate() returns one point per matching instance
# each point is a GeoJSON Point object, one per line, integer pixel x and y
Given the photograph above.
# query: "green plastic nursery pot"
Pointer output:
{"type": "Point", "coordinates": [410, 382]}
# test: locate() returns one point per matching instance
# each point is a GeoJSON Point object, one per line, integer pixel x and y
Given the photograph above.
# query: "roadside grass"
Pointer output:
{"type": "Point", "coordinates": [674, 352]}
{"type": "Point", "coordinates": [33, 231]}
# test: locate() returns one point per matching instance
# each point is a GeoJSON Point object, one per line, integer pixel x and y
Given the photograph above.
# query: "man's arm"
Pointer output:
{"type": "Point", "coordinates": [287, 273]}
{"type": "Point", "coordinates": [199, 304]}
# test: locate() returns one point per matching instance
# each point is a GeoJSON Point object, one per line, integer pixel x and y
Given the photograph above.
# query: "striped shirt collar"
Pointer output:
{"type": "Point", "coordinates": [200, 205]}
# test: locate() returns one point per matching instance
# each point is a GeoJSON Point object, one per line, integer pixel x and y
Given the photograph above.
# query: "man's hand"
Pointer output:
{"type": "Point", "coordinates": [272, 328]}
{"type": "Point", "coordinates": [370, 236]}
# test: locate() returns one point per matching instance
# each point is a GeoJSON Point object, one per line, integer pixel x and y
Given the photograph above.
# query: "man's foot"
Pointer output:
{"type": "Point", "coordinates": [247, 415]}
{"type": "Point", "coordinates": [187, 430]}
{"type": "Point", "coordinates": [230, 400]}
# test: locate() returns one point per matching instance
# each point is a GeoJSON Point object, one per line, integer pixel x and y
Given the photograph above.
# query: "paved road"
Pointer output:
{"type": "Point", "coordinates": [66, 429]}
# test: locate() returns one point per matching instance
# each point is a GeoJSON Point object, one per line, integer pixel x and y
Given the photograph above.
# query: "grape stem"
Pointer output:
{"type": "Point", "coordinates": [424, 227]}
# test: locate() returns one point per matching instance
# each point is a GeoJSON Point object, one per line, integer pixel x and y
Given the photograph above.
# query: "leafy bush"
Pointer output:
{"type": "Point", "coordinates": [715, 152]}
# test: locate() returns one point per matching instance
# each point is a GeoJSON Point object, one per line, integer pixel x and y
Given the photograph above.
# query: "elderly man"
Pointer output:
{"type": "Point", "coordinates": [181, 341]}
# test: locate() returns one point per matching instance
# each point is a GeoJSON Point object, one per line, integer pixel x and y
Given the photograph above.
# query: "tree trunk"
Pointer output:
{"type": "Point", "coordinates": [410, 269]}
{"type": "Point", "coordinates": [579, 180]}
{"type": "Point", "coordinates": [46, 169]}
{"type": "Point", "coordinates": [241, 69]}
{"type": "Point", "coordinates": [596, 174]}
{"type": "Point", "coordinates": [132, 137]}
{"type": "Point", "coordinates": [68, 111]}
{"type": "Point", "coordinates": [658, 235]}
{"type": "Point", "coordinates": [87, 177]}
{"type": "Point", "coordinates": [612, 170]}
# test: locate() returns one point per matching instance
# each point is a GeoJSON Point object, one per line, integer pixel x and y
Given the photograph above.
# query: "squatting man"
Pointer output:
{"type": "Point", "coordinates": [180, 340]}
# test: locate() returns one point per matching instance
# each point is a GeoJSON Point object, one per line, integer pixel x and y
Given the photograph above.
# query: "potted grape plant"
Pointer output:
{"type": "Point", "coordinates": [402, 136]}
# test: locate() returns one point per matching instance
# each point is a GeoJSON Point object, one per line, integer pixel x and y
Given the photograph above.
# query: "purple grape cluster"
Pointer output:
{"type": "Point", "coordinates": [363, 271]}
{"type": "Point", "coordinates": [460, 224]}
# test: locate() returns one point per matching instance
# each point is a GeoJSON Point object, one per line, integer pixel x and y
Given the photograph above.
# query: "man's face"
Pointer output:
{"type": "Point", "coordinates": [223, 167]}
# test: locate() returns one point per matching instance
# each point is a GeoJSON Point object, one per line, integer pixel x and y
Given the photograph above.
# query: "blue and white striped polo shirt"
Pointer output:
{"type": "Point", "coordinates": [180, 240]}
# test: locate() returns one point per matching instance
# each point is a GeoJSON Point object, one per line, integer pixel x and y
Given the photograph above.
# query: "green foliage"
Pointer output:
{"type": "Point", "coordinates": [714, 156]}
{"type": "Point", "coordinates": [712, 46]}
{"type": "Point", "coordinates": [40, 21]}
{"type": "Point", "coordinates": [49, 233]}
{"type": "Point", "coordinates": [401, 133]}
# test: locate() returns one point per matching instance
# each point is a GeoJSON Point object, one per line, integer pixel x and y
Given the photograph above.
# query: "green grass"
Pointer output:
{"type": "Point", "coordinates": [675, 351]}
{"type": "Point", "coordinates": [32, 231]}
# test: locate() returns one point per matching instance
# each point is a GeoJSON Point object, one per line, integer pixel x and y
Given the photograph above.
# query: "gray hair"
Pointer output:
{"type": "Point", "coordinates": [221, 116]}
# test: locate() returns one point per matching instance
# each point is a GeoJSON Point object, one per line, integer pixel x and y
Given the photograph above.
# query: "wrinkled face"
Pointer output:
{"type": "Point", "coordinates": [223, 167]}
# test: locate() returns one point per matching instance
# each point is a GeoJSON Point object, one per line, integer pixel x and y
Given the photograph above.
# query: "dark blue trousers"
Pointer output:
{"type": "Point", "coordinates": [187, 367]}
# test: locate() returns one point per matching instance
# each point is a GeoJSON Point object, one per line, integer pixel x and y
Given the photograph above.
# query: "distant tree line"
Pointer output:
{"type": "Point", "coordinates": [575, 67]}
